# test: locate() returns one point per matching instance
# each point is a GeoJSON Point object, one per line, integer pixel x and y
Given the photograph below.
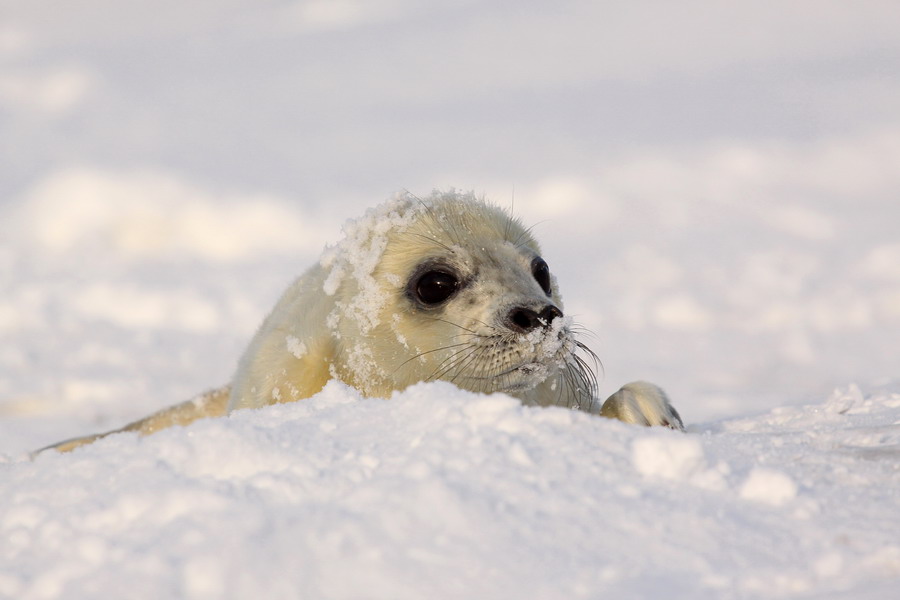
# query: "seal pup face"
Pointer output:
{"type": "Point", "coordinates": [457, 291]}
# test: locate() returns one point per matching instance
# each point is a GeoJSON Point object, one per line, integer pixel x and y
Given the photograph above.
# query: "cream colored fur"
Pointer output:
{"type": "Point", "coordinates": [355, 316]}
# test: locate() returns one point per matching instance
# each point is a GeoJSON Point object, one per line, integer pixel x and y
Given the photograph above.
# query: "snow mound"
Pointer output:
{"type": "Point", "coordinates": [768, 486]}
{"type": "Point", "coordinates": [152, 214]}
{"type": "Point", "coordinates": [441, 493]}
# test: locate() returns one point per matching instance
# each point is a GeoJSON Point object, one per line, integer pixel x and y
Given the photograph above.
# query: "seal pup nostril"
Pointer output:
{"type": "Point", "coordinates": [524, 320]}
{"type": "Point", "coordinates": [549, 313]}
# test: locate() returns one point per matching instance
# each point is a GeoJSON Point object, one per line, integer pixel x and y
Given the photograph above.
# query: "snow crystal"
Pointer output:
{"type": "Point", "coordinates": [395, 327]}
{"type": "Point", "coordinates": [361, 362]}
{"type": "Point", "coordinates": [358, 254]}
{"type": "Point", "coordinates": [295, 346]}
{"type": "Point", "coordinates": [548, 341]}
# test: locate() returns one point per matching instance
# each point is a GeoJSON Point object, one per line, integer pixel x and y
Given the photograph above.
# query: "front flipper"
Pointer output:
{"type": "Point", "coordinates": [642, 403]}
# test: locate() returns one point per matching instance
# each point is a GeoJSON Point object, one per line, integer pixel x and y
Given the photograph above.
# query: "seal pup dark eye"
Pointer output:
{"type": "Point", "coordinates": [435, 287]}
{"type": "Point", "coordinates": [541, 273]}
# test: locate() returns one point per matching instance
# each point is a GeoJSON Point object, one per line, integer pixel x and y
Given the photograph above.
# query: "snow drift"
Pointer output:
{"type": "Point", "coordinates": [441, 493]}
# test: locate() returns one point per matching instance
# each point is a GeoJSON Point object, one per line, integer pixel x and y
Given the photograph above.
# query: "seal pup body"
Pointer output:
{"type": "Point", "coordinates": [447, 288]}
{"type": "Point", "coordinates": [444, 288]}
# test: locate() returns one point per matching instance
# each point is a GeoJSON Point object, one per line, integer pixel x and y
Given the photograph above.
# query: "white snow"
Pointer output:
{"type": "Point", "coordinates": [295, 346]}
{"type": "Point", "coordinates": [768, 486]}
{"type": "Point", "coordinates": [442, 493]}
{"type": "Point", "coordinates": [358, 253]}
{"type": "Point", "coordinates": [715, 191]}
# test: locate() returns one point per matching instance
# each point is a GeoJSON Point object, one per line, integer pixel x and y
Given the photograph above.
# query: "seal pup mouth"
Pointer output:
{"type": "Point", "coordinates": [533, 358]}
{"type": "Point", "coordinates": [522, 377]}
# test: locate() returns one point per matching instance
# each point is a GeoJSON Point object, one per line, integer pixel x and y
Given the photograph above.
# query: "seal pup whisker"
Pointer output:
{"type": "Point", "coordinates": [433, 350]}
{"type": "Point", "coordinates": [457, 363]}
{"type": "Point", "coordinates": [431, 240]}
{"type": "Point", "coordinates": [451, 362]}
{"type": "Point", "coordinates": [465, 328]}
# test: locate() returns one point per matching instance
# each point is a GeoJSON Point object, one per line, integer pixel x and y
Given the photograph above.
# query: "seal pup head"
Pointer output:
{"type": "Point", "coordinates": [447, 287]}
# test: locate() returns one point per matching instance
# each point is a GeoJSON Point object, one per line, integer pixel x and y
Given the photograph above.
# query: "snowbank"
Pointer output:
{"type": "Point", "coordinates": [439, 493]}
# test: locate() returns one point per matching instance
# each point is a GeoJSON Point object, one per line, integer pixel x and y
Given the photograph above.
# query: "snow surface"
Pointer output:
{"type": "Point", "coordinates": [438, 492]}
{"type": "Point", "coordinates": [714, 186]}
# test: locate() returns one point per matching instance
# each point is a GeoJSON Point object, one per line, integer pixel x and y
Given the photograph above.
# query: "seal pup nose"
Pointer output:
{"type": "Point", "coordinates": [524, 320]}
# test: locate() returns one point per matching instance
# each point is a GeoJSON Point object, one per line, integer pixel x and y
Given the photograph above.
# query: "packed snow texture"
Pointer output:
{"type": "Point", "coordinates": [438, 492]}
{"type": "Point", "coordinates": [714, 187]}
{"type": "Point", "coordinates": [359, 252]}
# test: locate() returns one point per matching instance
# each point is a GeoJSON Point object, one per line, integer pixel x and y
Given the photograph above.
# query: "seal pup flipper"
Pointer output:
{"type": "Point", "coordinates": [213, 403]}
{"type": "Point", "coordinates": [642, 403]}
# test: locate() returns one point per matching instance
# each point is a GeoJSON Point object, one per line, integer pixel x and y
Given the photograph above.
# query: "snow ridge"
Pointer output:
{"type": "Point", "coordinates": [442, 493]}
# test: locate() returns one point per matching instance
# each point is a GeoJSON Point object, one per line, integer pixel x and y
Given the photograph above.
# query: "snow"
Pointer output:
{"type": "Point", "coordinates": [438, 492]}
{"type": "Point", "coordinates": [358, 253]}
{"type": "Point", "coordinates": [714, 188]}
{"type": "Point", "coordinates": [768, 486]}
{"type": "Point", "coordinates": [295, 346]}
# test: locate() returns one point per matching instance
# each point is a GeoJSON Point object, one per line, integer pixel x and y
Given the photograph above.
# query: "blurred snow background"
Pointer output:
{"type": "Point", "coordinates": [716, 186]}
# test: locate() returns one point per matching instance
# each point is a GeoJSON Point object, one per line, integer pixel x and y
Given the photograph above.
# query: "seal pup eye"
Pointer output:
{"type": "Point", "coordinates": [435, 287]}
{"type": "Point", "coordinates": [541, 273]}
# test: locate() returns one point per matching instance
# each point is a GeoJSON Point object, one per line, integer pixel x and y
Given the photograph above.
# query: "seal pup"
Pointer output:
{"type": "Point", "coordinates": [449, 287]}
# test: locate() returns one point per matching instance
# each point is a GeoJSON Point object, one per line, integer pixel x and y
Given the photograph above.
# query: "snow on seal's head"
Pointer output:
{"type": "Point", "coordinates": [447, 287]}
